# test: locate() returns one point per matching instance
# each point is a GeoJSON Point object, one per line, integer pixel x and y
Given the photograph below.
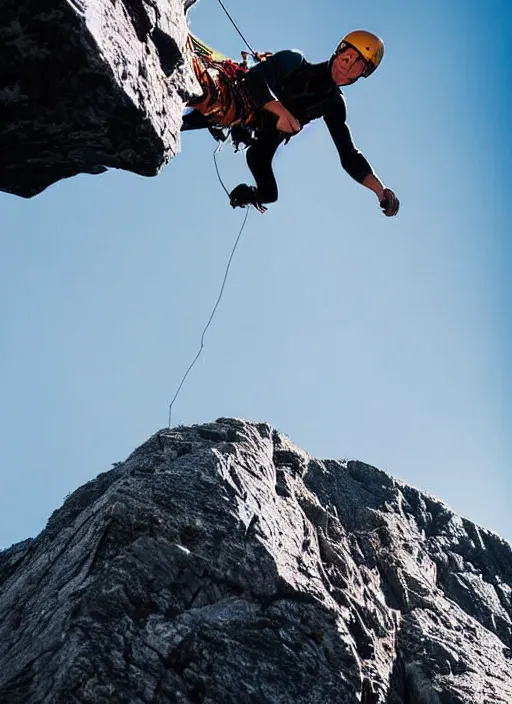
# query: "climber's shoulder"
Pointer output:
{"type": "Point", "coordinates": [288, 59]}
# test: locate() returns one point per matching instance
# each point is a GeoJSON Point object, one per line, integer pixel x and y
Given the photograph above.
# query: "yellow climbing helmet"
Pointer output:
{"type": "Point", "coordinates": [370, 46]}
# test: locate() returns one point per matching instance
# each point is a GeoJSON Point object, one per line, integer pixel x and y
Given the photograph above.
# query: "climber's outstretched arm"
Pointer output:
{"type": "Point", "coordinates": [354, 162]}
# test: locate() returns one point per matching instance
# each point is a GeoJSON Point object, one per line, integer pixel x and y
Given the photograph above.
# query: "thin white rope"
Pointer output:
{"type": "Point", "coordinates": [211, 315]}
{"type": "Point", "coordinates": [238, 30]}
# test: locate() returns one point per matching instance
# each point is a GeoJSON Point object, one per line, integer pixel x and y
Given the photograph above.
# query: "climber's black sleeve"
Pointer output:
{"type": "Point", "coordinates": [264, 80]}
{"type": "Point", "coordinates": [259, 160]}
{"type": "Point", "coordinates": [352, 160]}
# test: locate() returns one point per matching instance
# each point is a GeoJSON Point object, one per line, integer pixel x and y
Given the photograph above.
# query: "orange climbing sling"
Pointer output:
{"type": "Point", "coordinates": [225, 100]}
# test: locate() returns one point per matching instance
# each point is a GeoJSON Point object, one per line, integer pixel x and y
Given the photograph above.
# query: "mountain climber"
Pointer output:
{"type": "Point", "coordinates": [275, 98]}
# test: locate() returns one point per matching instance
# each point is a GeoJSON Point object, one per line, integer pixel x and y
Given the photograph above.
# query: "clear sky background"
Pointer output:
{"type": "Point", "coordinates": [384, 340]}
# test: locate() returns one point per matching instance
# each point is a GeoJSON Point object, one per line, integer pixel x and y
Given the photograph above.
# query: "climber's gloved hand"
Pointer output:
{"type": "Point", "coordinates": [244, 195]}
{"type": "Point", "coordinates": [389, 203]}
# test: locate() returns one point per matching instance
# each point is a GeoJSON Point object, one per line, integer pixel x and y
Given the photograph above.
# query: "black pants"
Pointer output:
{"type": "Point", "coordinates": [194, 121]}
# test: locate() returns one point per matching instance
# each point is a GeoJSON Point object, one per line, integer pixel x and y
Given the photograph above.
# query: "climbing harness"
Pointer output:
{"type": "Point", "coordinates": [225, 102]}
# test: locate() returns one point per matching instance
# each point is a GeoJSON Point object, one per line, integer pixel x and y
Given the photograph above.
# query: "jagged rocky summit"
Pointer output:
{"type": "Point", "coordinates": [221, 564]}
{"type": "Point", "coordinates": [90, 84]}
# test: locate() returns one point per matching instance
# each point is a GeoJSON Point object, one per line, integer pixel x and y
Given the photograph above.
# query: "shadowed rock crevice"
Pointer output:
{"type": "Point", "coordinates": [221, 563]}
{"type": "Point", "coordinates": [138, 15]}
{"type": "Point", "coordinates": [168, 51]}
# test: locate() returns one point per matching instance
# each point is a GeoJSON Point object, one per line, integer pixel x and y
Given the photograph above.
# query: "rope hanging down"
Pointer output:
{"type": "Point", "coordinates": [211, 317]}
{"type": "Point", "coordinates": [217, 169]}
{"type": "Point", "coordinates": [255, 55]}
{"type": "Point", "coordinates": [218, 298]}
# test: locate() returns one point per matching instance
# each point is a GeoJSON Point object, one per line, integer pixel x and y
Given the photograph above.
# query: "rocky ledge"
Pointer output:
{"type": "Point", "coordinates": [221, 564]}
{"type": "Point", "coordinates": [89, 84]}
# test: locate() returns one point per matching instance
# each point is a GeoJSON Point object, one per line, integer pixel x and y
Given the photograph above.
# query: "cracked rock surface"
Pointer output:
{"type": "Point", "coordinates": [89, 84]}
{"type": "Point", "coordinates": [222, 564]}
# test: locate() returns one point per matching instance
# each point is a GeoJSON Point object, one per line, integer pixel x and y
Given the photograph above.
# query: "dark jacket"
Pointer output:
{"type": "Point", "coordinates": [308, 92]}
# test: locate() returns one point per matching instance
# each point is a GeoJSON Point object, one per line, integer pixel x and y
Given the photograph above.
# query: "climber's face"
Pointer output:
{"type": "Point", "coordinates": [347, 67]}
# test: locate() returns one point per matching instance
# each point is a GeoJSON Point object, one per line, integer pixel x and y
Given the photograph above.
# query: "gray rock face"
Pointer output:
{"type": "Point", "coordinates": [221, 564]}
{"type": "Point", "coordinates": [89, 84]}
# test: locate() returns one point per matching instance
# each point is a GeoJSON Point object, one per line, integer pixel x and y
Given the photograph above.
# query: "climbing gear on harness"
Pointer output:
{"type": "Point", "coordinates": [244, 195]}
{"type": "Point", "coordinates": [224, 100]}
{"type": "Point", "coordinates": [370, 46]}
{"type": "Point", "coordinates": [220, 134]}
{"type": "Point", "coordinates": [240, 136]}
{"type": "Point", "coordinates": [224, 104]}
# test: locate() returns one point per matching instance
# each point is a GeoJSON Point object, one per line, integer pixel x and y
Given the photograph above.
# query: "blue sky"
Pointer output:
{"type": "Point", "coordinates": [384, 340]}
